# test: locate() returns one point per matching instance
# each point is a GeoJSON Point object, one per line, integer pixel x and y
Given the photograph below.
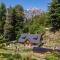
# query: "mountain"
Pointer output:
{"type": "Point", "coordinates": [29, 13]}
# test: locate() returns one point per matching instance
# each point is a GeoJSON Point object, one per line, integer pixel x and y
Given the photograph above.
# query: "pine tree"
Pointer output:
{"type": "Point", "coordinates": [19, 18]}
{"type": "Point", "coordinates": [54, 13]}
{"type": "Point", "coordinates": [9, 27]}
{"type": "Point", "coordinates": [2, 17]}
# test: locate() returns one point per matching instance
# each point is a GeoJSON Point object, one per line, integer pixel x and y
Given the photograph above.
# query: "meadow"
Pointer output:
{"type": "Point", "coordinates": [15, 52]}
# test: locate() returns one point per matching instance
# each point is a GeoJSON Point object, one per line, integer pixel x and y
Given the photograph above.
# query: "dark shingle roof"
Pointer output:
{"type": "Point", "coordinates": [38, 49]}
{"type": "Point", "coordinates": [22, 38]}
{"type": "Point", "coordinates": [34, 38]}
{"type": "Point", "coordinates": [44, 50]}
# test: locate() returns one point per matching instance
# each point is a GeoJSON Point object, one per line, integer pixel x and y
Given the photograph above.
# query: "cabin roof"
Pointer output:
{"type": "Point", "coordinates": [33, 38]}
{"type": "Point", "coordinates": [38, 49]}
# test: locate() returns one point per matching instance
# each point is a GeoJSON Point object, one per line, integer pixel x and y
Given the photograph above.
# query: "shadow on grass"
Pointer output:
{"type": "Point", "coordinates": [15, 57]}
{"type": "Point", "coordinates": [6, 48]}
{"type": "Point", "coordinates": [10, 56]}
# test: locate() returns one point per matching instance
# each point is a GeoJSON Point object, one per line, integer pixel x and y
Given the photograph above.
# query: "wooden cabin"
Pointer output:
{"type": "Point", "coordinates": [30, 39]}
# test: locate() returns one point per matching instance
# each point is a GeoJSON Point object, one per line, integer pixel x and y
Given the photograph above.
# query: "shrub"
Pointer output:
{"type": "Point", "coordinates": [33, 59]}
{"type": "Point", "coordinates": [57, 54]}
{"type": "Point", "coordinates": [27, 50]}
{"type": "Point", "coordinates": [51, 58]}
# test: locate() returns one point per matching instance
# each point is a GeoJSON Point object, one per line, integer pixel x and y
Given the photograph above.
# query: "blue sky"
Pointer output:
{"type": "Point", "coordinates": [41, 4]}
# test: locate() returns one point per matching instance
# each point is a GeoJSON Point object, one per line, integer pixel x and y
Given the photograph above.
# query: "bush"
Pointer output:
{"type": "Point", "coordinates": [11, 57]}
{"type": "Point", "coordinates": [27, 50]}
{"type": "Point", "coordinates": [51, 58]}
{"type": "Point", "coordinates": [57, 54]}
{"type": "Point", "coordinates": [2, 45]}
{"type": "Point", "coordinates": [1, 37]}
{"type": "Point", "coordinates": [33, 59]}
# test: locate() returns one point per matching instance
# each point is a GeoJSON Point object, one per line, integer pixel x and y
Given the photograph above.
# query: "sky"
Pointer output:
{"type": "Point", "coordinates": [41, 4]}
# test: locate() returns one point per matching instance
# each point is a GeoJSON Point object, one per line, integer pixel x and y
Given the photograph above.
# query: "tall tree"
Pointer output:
{"type": "Point", "coordinates": [2, 17]}
{"type": "Point", "coordinates": [9, 27]}
{"type": "Point", "coordinates": [54, 13]}
{"type": "Point", "coordinates": [19, 17]}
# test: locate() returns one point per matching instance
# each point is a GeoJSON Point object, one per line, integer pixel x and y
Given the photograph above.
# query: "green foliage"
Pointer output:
{"type": "Point", "coordinates": [27, 50]}
{"type": "Point", "coordinates": [51, 58]}
{"type": "Point", "coordinates": [33, 59]}
{"type": "Point", "coordinates": [41, 19]}
{"type": "Point", "coordinates": [37, 29]}
{"type": "Point", "coordinates": [57, 54]}
{"type": "Point", "coordinates": [16, 57]}
{"type": "Point", "coordinates": [2, 40]}
{"type": "Point", "coordinates": [19, 18]}
{"type": "Point", "coordinates": [11, 22]}
{"type": "Point", "coordinates": [36, 24]}
{"type": "Point", "coordinates": [9, 27]}
{"type": "Point", "coordinates": [25, 30]}
{"type": "Point", "coordinates": [1, 37]}
{"type": "Point", "coordinates": [54, 13]}
{"type": "Point", "coordinates": [11, 57]}
{"type": "Point", "coordinates": [2, 17]}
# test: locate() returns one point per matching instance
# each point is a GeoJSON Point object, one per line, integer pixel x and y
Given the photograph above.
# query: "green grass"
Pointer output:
{"type": "Point", "coordinates": [52, 58]}
{"type": "Point", "coordinates": [11, 53]}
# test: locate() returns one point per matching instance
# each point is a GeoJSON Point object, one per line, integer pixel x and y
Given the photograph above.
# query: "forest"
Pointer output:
{"type": "Point", "coordinates": [15, 21]}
